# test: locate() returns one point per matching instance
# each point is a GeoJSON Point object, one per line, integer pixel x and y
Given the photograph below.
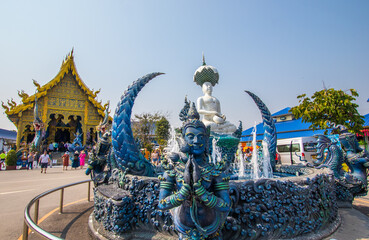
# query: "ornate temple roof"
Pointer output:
{"type": "Point", "coordinates": [67, 66]}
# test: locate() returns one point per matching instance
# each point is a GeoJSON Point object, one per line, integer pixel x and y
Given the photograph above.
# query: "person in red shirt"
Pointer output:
{"type": "Point", "coordinates": [65, 158]}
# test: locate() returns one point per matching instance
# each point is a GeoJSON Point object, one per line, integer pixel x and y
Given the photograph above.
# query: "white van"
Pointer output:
{"type": "Point", "coordinates": [297, 150]}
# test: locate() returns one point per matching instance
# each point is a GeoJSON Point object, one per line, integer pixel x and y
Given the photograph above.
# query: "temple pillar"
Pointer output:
{"type": "Point", "coordinates": [19, 133]}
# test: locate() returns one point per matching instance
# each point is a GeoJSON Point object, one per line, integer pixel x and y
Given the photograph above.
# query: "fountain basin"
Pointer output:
{"type": "Point", "coordinates": [281, 171]}
{"type": "Point", "coordinates": [287, 207]}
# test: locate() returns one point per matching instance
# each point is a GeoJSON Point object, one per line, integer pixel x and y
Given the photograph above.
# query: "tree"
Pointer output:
{"type": "Point", "coordinates": [143, 128]}
{"type": "Point", "coordinates": [162, 131]}
{"type": "Point", "coordinates": [330, 107]}
{"type": "Point", "coordinates": [11, 158]}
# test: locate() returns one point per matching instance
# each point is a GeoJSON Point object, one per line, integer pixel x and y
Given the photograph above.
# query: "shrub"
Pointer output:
{"type": "Point", "coordinates": [11, 158]}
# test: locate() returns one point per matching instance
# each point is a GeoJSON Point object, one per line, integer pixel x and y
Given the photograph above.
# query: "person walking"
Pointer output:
{"type": "Point", "coordinates": [65, 158]}
{"type": "Point", "coordinates": [2, 159]}
{"type": "Point", "coordinates": [155, 157]}
{"type": "Point", "coordinates": [82, 157]}
{"type": "Point", "coordinates": [51, 159]}
{"type": "Point", "coordinates": [51, 147]}
{"type": "Point", "coordinates": [36, 158]}
{"type": "Point", "coordinates": [31, 158]}
{"type": "Point", "coordinates": [75, 161]}
{"type": "Point", "coordinates": [43, 161]}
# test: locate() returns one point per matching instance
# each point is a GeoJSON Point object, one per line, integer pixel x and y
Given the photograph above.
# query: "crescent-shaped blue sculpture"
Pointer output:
{"type": "Point", "coordinates": [270, 133]}
{"type": "Point", "coordinates": [126, 152]}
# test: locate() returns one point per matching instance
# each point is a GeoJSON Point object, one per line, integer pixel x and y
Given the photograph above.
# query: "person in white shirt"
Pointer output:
{"type": "Point", "coordinates": [43, 161]}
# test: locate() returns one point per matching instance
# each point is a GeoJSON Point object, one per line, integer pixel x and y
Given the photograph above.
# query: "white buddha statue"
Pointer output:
{"type": "Point", "coordinates": [208, 106]}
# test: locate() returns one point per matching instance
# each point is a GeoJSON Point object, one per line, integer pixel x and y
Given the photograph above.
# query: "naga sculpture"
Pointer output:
{"type": "Point", "coordinates": [94, 93]}
{"type": "Point", "coordinates": [101, 154]}
{"type": "Point", "coordinates": [37, 85]}
{"type": "Point", "coordinates": [77, 143]}
{"type": "Point", "coordinates": [126, 153]}
{"type": "Point", "coordinates": [196, 191]}
{"type": "Point", "coordinates": [270, 132]}
{"type": "Point", "coordinates": [5, 107]}
{"type": "Point", "coordinates": [99, 160]}
{"type": "Point", "coordinates": [12, 104]}
{"type": "Point", "coordinates": [102, 128]}
{"type": "Point", "coordinates": [23, 95]}
{"type": "Point", "coordinates": [38, 126]}
{"type": "Point", "coordinates": [333, 153]}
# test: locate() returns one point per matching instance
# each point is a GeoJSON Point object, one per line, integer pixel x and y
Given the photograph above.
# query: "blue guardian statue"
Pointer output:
{"type": "Point", "coordinates": [196, 191]}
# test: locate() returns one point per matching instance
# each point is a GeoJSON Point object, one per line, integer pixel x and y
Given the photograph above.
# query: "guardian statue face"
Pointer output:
{"type": "Point", "coordinates": [195, 139]}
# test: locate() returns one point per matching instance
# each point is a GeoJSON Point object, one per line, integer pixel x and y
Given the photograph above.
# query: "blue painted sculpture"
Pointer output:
{"type": "Point", "coordinates": [103, 127]}
{"type": "Point", "coordinates": [126, 152]}
{"type": "Point", "coordinates": [270, 133]}
{"type": "Point", "coordinates": [77, 143]}
{"type": "Point", "coordinates": [332, 154]}
{"type": "Point", "coordinates": [195, 190]}
{"type": "Point", "coordinates": [194, 198]}
{"type": "Point", "coordinates": [38, 126]}
{"type": "Point", "coordinates": [101, 154]}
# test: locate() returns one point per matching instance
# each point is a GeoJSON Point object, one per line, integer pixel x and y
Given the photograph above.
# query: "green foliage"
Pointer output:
{"type": "Point", "coordinates": [162, 131]}
{"type": "Point", "coordinates": [178, 130]}
{"type": "Point", "coordinates": [11, 158]}
{"type": "Point", "coordinates": [330, 107]}
{"type": "Point", "coordinates": [143, 128]}
{"type": "Point", "coordinates": [362, 142]}
{"type": "Point", "coordinates": [148, 146]}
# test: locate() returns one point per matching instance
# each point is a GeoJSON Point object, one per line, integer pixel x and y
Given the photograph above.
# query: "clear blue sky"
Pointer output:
{"type": "Point", "coordinates": [276, 49]}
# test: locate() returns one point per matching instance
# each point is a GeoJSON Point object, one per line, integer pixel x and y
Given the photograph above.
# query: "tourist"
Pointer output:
{"type": "Point", "coordinates": [31, 158]}
{"type": "Point", "coordinates": [51, 159]}
{"type": "Point", "coordinates": [75, 161]}
{"type": "Point", "coordinates": [147, 154]}
{"type": "Point", "coordinates": [61, 147]}
{"type": "Point", "coordinates": [56, 146]}
{"type": "Point", "coordinates": [66, 146]}
{"type": "Point", "coordinates": [248, 155]}
{"type": "Point", "coordinates": [155, 157]}
{"type": "Point", "coordinates": [82, 157]}
{"type": "Point", "coordinates": [2, 159]}
{"type": "Point", "coordinates": [277, 158]}
{"type": "Point", "coordinates": [43, 161]}
{"type": "Point", "coordinates": [65, 158]}
{"type": "Point", "coordinates": [51, 147]}
{"type": "Point", "coordinates": [35, 159]}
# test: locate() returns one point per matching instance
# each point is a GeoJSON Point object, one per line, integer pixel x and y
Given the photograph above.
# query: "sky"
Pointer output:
{"type": "Point", "coordinates": [275, 49]}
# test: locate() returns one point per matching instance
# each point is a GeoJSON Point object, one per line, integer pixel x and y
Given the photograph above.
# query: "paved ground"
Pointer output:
{"type": "Point", "coordinates": [17, 188]}
{"type": "Point", "coordinates": [72, 224]}
{"type": "Point", "coordinates": [354, 225]}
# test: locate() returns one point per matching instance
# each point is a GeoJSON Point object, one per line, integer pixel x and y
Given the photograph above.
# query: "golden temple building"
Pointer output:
{"type": "Point", "coordinates": [65, 105]}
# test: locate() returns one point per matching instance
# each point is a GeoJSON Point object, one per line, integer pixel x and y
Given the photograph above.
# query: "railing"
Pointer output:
{"type": "Point", "coordinates": [32, 223]}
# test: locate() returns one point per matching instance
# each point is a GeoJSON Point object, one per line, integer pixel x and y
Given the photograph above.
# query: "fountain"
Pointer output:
{"type": "Point", "coordinates": [173, 145]}
{"type": "Point", "coordinates": [241, 165]}
{"type": "Point", "coordinates": [254, 157]}
{"type": "Point", "coordinates": [216, 155]}
{"type": "Point", "coordinates": [194, 197]}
